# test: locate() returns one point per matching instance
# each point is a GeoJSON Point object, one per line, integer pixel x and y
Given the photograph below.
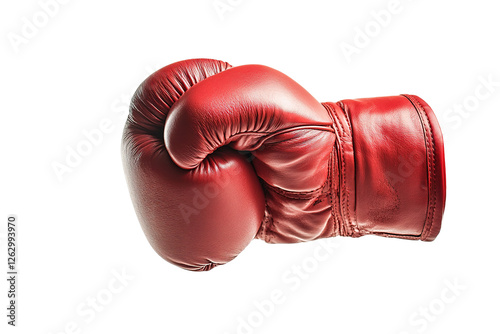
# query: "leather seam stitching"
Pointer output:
{"type": "Point", "coordinates": [431, 168]}
{"type": "Point", "coordinates": [330, 193]}
{"type": "Point", "coordinates": [333, 203]}
{"type": "Point", "coordinates": [344, 188]}
{"type": "Point", "coordinates": [433, 177]}
{"type": "Point", "coordinates": [295, 194]}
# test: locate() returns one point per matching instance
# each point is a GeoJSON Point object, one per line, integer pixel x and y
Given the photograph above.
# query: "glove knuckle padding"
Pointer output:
{"type": "Point", "coordinates": [254, 108]}
{"type": "Point", "coordinates": [290, 134]}
{"type": "Point", "coordinates": [194, 218]}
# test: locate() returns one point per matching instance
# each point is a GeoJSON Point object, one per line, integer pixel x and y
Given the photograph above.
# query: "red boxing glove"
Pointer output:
{"type": "Point", "coordinates": [217, 156]}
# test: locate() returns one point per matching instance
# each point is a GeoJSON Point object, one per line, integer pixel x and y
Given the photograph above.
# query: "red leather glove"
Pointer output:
{"type": "Point", "coordinates": [217, 156]}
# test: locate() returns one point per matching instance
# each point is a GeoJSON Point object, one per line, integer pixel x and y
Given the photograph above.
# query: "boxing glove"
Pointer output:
{"type": "Point", "coordinates": [216, 156]}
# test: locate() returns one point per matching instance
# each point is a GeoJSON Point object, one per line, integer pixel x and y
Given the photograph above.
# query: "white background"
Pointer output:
{"type": "Point", "coordinates": [79, 67]}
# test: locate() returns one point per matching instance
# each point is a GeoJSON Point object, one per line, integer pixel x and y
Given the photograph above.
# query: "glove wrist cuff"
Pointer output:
{"type": "Point", "coordinates": [390, 167]}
